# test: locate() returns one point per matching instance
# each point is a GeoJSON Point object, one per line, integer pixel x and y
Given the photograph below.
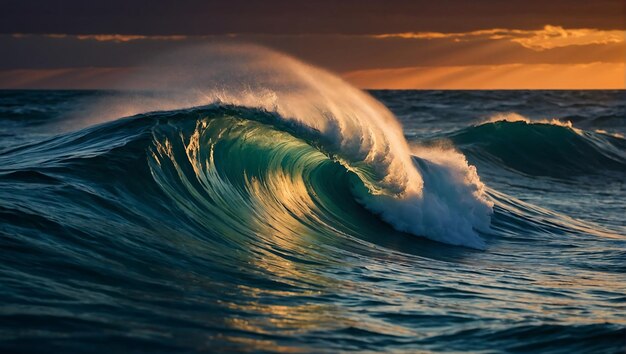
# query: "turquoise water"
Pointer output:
{"type": "Point", "coordinates": [223, 227]}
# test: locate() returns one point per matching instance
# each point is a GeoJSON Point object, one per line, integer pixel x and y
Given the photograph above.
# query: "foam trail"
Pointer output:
{"type": "Point", "coordinates": [438, 198]}
{"type": "Point", "coordinates": [516, 117]}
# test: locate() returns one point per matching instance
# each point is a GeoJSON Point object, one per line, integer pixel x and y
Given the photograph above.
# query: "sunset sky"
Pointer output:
{"type": "Point", "coordinates": [482, 44]}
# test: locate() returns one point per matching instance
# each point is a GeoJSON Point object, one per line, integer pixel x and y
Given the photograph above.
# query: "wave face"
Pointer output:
{"type": "Point", "coordinates": [260, 204]}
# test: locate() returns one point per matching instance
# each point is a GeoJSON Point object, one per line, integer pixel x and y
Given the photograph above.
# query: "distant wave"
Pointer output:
{"type": "Point", "coordinates": [542, 147]}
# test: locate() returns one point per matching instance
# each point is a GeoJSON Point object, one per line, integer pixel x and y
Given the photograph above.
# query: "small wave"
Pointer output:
{"type": "Point", "coordinates": [515, 117]}
{"type": "Point", "coordinates": [541, 147]}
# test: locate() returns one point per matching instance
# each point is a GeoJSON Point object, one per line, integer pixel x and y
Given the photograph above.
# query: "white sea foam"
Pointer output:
{"type": "Point", "coordinates": [515, 117]}
{"type": "Point", "coordinates": [453, 204]}
{"type": "Point", "coordinates": [615, 135]}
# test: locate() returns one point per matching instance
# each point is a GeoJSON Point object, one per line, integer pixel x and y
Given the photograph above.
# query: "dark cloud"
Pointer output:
{"type": "Point", "coordinates": [196, 17]}
{"type": "Point", "coordinates": [335, 52]}
{"type": "Point", "coordinates": [52, 43]}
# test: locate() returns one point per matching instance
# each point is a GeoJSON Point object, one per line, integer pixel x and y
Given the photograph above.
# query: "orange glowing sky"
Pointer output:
{"type": "Point", "coordinates": [407, 45]}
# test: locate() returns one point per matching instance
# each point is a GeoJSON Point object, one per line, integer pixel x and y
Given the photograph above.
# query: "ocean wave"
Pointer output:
{"type": "Point", "coordinates": [542, 147]}
{"type": "Point", "coordinates": [342, 122]}
{"type": "Point", "coordinates": [248, 169]}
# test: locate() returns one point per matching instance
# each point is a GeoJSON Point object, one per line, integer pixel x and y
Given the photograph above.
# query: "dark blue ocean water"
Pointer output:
{"type": "Point", "coordinates": [223, 228]}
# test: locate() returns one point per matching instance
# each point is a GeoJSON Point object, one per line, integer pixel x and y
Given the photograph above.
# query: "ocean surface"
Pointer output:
{"type": "Point", "coordinates": [489, 221]}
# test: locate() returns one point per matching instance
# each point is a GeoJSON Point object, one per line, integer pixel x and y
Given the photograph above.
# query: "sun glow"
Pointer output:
{"type": "Point", "coordinates": [512, 76]}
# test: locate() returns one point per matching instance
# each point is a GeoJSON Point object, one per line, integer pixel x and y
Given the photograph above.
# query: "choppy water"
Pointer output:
{"type": "Point", "coordinates": [223, 227]}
